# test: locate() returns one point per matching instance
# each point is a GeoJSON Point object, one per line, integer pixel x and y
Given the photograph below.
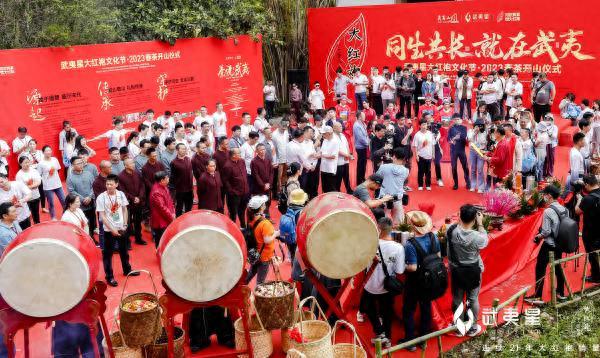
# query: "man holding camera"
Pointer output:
{"type": "Point", "coordinates": [548, 233]}
{"type": "Point", "coordinates": [394, 176]}
{"type": "Point", "coordinates": [379, 146]}
{"type": "Point", "coordinates": [589, 206]}
{"type": "Point", "coordinates": [372, 184]}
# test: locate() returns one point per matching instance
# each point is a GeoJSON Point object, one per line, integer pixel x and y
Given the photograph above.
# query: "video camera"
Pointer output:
{"type": "Point", "coordinates": [390, 204]}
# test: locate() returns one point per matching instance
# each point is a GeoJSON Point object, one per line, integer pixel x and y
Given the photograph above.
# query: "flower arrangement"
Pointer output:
{"type": "Point", "coordinates": [509, 181]}
{"type": "Point", "coordinates": [404, 226]}
{"type": "Point", "coordinates": [528, 204]}
{"type": "Point", "coordinates": [500, 202]}
{"type": "Point", "coordinates": [556, 182]}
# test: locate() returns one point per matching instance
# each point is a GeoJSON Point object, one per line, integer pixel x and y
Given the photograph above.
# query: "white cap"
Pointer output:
{"type": "Point", "coordinates": [327, 129]}
{"type": "Point", "coordinates": [257, 201]}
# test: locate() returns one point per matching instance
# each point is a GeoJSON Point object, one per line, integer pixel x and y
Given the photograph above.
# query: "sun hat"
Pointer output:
{"type": "Point", "coordinates": [420, 221]}
{"type": "Point", "coordinates": [298, 197]}
{"type": "Point", "coordinates": [257, 201]}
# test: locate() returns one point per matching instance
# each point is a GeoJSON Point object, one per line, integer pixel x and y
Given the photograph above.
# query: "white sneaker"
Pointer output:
{"type": "Point", "coordinates": [359, 317]}
{"type": "Point", "coordinates": [480, 191]}
{"type": "Point", "coordinates": [429, 188]}
{"type": "Point", "coordinates": [472, 189]}
{"type": "Point", "coordinates": [440, 182]}
{"type": "Point", "coordinates": [474, 331]}
{"type": "Point", "coordinates": [420, 188]}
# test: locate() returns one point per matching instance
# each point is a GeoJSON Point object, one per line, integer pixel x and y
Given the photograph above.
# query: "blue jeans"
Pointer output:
{"type": "Point", "coordinates": [360, 99]}
{"type": "Point", "coordinates": [73, 340]}
{"type": "Point", "coordinates": [50, 196]}
{"type": "Point", "coordinates": [3, 348]}
{"type": "Point", "coordinates": [259, 269]}
{"type": "Point", "coordinates": [477, 173]}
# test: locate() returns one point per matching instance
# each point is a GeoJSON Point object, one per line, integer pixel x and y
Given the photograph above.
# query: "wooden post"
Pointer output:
{"type": "Point", "coordinates": [378, 348]}
{"type": "Point", "coordinates": [585, 265]}
{"type": "Point", "coordinates": [552, 276]}
{"type": "Point", "coordinates": [440, 348]}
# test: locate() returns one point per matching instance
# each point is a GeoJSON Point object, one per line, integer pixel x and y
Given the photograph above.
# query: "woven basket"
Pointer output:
{"type": "Point", "coordinates": [285, 332]}
{"type": "Point", "coordinates": [276, 312]}
{"type": "Point", "coordinates": [292, 353]}
{"type": "Point", "coordinates": [317, 332]}
{"type": "Point", "coordinates": [159, 348]}
{"type": "Point", "coordinates": [140, 328]}
{"type": "Point", "coordinates": [120, 350]}
{"type": "Point", "coordinates": [347, 350]}
{"type": "Point", "coordinates": [262, 342]}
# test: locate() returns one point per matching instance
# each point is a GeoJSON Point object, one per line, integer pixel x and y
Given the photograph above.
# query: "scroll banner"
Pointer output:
{"type": "Point", "coordinates": [39, 88]}
{"type": "Point", "coordinates": [479, 36]}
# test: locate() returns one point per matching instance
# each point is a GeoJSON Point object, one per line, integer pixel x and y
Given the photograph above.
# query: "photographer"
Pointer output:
{"type": "Point", "coordinates": [589, 206]}
{"type": "Point", "coordinates": [465, 240]}
{"type": "Point", "coordinates": [394, 176]}
{"type": "Point", "coordinates": [403, 137]}
{"type": "Point", "coordinates": [372, 184]}
{"type": "Point", "coordinates": [548, 233]}
{"type": "Point", "coordinates": [379, 146]}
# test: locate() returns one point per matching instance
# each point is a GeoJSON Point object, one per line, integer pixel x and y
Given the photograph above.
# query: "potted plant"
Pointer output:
{"type": "Point", "coordinates": [404, 229]}
{"type": "Point", "coordinates": [499, 203]}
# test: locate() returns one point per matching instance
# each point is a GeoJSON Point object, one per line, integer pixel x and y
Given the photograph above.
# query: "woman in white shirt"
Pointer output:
{"type": "Point", "coordinates": [49, 167]}
{"type": "Point", "coordinates": [523, 149]}
{"type": "Point", "coordinates": [477, 137]}
{"type": "Point", "coordinates": [388, 92]}
{"type": "Point", "coordinates": [542, 139]}
{"type": "Point", "coordinates": [73, 214]}
{"type": "Point", "coordinates": [133, 144]}
{"type": "Point", "coordinates": [32, 179]}
{"type": "Point", "coordinates": [35, 156]}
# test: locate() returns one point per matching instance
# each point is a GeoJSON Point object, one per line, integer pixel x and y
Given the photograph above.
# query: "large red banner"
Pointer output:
{"type": "Point", "coordinates": [39, 88]}
{"type": "Point", "coordinates": [555, 36]}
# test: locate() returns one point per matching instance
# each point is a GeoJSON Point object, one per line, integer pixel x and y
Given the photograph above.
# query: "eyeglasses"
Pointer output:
{"type": "Point", "coordinates": [317, 85]}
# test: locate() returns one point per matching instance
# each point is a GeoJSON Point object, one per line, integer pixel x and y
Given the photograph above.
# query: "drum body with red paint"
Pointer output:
{"type": "Point", "coordinates": [337, 235]}
{"type": "Point", "coordinates": [202, 255]}
{"type": "Point", "coordinates": [48, 269]}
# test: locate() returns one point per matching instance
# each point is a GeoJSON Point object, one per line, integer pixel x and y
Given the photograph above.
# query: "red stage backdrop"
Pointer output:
{"type": "Point", "coordinates": [39, 88]}
{"type": "Point", "coordinates": [557, 36]}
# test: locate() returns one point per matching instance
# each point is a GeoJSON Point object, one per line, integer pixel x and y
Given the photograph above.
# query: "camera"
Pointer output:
{"type": "Point", "coordinates": [481, 128]}
{"type": "Point", "coordinates": [390, 204]}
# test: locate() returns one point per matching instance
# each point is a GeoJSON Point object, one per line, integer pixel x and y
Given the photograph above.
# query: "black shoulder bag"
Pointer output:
{"type": "Point", "coordinates": [391, 283]}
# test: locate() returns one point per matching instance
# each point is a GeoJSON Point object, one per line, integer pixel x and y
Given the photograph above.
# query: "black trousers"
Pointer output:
{"type": "Point", "coordinates": [270, 108]}
{"type": "Point", "coordinates": [184, 202]}
{"type": "Point", "coordinates": [593, 244]}
{"type": "Point", "coordinates": [361, 165]}
{"type": "Point", "coordinates": [74, 340]}
{"type": "Point", "coordinates": [34, 207]}
{"type": "Point", "coordinates": [377, 103]}
{"type": "Point", "coordinates": [205, 322]}
{"type": "Point", "coordinates": [380, 311]}
{"type": "Point", "coordinates": [541, 264]}
{"type": "Point", "coordinates": [343, 175]}
{"type": "Point", "coordinates": [465, 102]}
{"type": "Point", "coordinates": [42, 196]}
{"type": "Point", "coordinates": [493, 109]}
{"type": "Point", "coordinates": [135, 222]}
{"type": "Point", "coordinates": [539, 110]}
{"type": "Point", "coordinates": [90, 214]}
{"type": "Point", "coordinates": [236, 205]}
{"type": "Point", "coordinates": [329, 182]}
{"type": "Point", "coordinates": [25, 224]}
{"type": "Point", "coordinates": [424, 171]}
{"type": "Point", "coordinates": [312, 181]}
{"type": "Point", "coordinates": [409, 308]}
{"type": "Point", "coordinates": [107, 253]}
{"type": "Point", "coordinates": [459, 155]}
{"type": "Point", "coordinates": [417, 103]}
{"type": "Point", "coordinates": [437, 162]}
{"type": "Point", "coordinates": [405, 102]}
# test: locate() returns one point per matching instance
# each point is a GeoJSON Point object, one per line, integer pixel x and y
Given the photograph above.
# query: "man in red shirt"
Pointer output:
{"type": "Point", "coordinates": [499, 161]}
{"type": "Point", "coordinates": [370, 115]}
{"type": "Point", "coordinates": [162, 210]}
{"type": "Point", "coordinates": [235, 182]}
{"type": "Point", "coordinates": [262, 174]}
{"type": "Point", "coordinates": [342, 110]}
{"type": "Point", "coordinates": [132, 185]}
{"type": "Point", "coordinates": [182, 178]}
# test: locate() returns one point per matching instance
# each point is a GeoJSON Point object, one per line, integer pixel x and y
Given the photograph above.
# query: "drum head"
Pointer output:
{"type": "Point", "coordinates": [342, 243]}
{"type": "Point", "coordinates": [202, 263]}
{"type": "Point", "coordinates": [44, 277]}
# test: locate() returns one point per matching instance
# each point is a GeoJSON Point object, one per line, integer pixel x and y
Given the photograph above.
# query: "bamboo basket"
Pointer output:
{"type": "Point", "coordinates": [347, 350]}
{"type": "Point", "coordinates": [285, 332]}
{"type": "Point", "coordinates": [159, 348]}
{"type": "Point", "coordinates": [119, 348]}
{"type": "Point", "coordinates": [276, 312]}
{"type": "Point", "coordinates": [260, 338]}
{"type": "Point", "coordinates": [140, 328]}
{"type": "Point", "coordinates": [317, 332]}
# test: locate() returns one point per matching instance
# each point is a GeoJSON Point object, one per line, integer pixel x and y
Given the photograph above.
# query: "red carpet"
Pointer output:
{"type": "Point", "coordinates": [446, 203]}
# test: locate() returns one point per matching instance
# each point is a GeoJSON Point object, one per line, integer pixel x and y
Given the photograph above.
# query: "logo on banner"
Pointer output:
{"type": "Point", "coordinates": [448, 19]}
{"type": "Point", "coordinates": [33, 99]}
{"type": "Point", "coordinates": [462, 326]}
{"type": "Point", "coordinates": [103, 91]}
{"type": "Point", "coordinates": [348, 51]}
{"type": "Point", "coordinates": [163, 90]}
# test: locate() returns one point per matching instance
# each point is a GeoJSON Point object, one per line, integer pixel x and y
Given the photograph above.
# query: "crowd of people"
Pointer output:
{"type": "Point", "coordinates": [171, 163]}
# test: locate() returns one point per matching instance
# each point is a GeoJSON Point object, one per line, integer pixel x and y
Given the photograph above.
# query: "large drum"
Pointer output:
{"type": "Point", "coordinates": [337, 235]}
{"type": "Point", "coordinates": [48, 269]}
{"type": "Point", "coordinates": [202, 255]}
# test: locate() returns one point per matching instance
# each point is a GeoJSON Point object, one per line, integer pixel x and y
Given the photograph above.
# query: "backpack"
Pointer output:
{"type": "Point", "coordinates": [432, 274]}
{"type": "Point", "coordinates": [287, 227]}
{"type": "Point", "coordinates": [253, 255]}
{"type": "Point", "coordinates": [567, 237]}
{"type": "Point", "coordinates": [282, 200]}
